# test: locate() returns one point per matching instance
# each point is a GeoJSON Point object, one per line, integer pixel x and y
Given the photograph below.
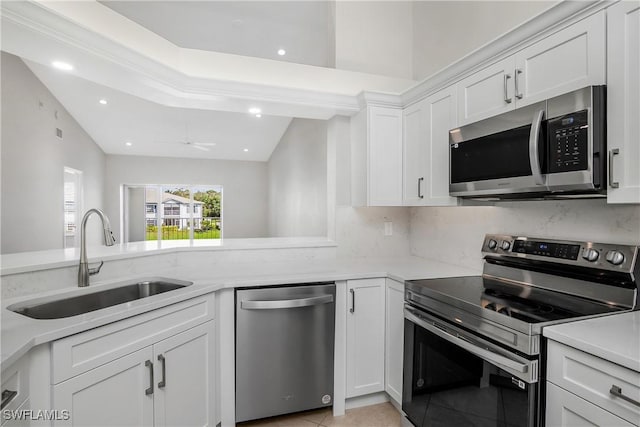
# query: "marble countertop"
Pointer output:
{"type": "Point", "coordinates": [615, 338]}
{"type": "Point", "coordinates": [20, 333]}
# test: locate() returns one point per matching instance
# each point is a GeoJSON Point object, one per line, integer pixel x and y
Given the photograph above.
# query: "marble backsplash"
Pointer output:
{"type": "Point", "coordinates": [360, 232]}
{"type": "Point", "coordinates": [455, 234]}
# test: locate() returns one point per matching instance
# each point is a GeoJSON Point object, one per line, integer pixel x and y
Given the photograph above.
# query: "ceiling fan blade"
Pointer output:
{"type": "Point", "coordinates": [198, 147]}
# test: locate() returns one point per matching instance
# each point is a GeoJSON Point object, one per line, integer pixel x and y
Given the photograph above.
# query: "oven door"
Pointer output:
{"type": "Point", "coordinates": [454, 378]}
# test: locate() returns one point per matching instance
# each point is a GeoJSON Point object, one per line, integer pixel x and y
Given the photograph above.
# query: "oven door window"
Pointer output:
{"type": "Point", "coordinates": [446, 385]}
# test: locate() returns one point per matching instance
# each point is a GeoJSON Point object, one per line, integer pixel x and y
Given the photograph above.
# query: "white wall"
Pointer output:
{"type": "Point", "coordinates": [455, 234]}
{"type": "Point", "coordinates": [244, 193]}
{"type": "Point", "coordinates": [33, 161]}
{"type": "Point", "coordinates": [297, 174]}
{"type": "Point", "coordinates": [374, 37]}
{"type": "Point", "coordinates": [445, 31]}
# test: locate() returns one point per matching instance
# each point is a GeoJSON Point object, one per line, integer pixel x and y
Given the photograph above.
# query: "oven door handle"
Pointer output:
{"type": "Point", "coordinates": [482, 353]}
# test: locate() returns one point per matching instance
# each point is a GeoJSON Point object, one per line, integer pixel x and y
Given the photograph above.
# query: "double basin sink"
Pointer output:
{"type": "Point", "coordinates": [85, 303]}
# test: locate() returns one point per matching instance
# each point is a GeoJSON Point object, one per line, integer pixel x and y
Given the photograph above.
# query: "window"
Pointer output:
{"type": "Point", "coordinates": [183, 212]}
{"type": "Point", "coordinates": [72, 206]}
{"type": "Point", "coordinates": [172, 210]}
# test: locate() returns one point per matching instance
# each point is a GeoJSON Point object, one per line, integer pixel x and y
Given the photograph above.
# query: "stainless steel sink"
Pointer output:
{"type": "Point", "coordinates": [74, 305]}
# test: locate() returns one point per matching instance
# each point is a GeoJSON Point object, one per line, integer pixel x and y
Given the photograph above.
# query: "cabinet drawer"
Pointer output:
{"type": "Point", "coordinates": [15, 384]}
{"type": "Point", "coordinates": [568, 410]}
{"type": "Point", "coordinates": [591, 378]}
{"type": "Point", "coordinates": [87, 350]}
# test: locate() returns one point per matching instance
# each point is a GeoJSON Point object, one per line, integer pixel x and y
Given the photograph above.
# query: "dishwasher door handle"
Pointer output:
{"type": "Point", "coordinates": [287, 303]}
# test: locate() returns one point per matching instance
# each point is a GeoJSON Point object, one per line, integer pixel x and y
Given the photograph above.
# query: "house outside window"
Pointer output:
{"type": "Point", "coordinates": [174, 212]}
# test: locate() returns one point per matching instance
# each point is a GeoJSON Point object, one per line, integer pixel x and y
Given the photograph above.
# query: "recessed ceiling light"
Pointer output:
{"type": "Point", "coordinates": [245, 150]}
{"type": "Point", "coordinates": [258, 115]}
{"type": "Point", "coordinates": [281, 52]}
{"type": "Point", "coordinates": [64, 66]}
{"type": "Point", "coordinates": [255, 110]}
{"type": "Point", "coordinates": [128, 143]}
{"type": "Point", "coordinates": [103, 101]}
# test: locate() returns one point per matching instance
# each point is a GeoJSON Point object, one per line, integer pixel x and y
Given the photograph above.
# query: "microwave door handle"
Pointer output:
{"type": "Point", "coordinates": [534, 142]}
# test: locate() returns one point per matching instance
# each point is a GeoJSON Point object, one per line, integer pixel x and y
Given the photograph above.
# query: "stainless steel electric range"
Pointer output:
{"type": "Point", "coordinates": [473, 348]}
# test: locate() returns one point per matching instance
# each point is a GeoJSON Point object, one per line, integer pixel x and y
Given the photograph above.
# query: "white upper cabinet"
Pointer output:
{"type": "Point", "coordinates": [623, 102]}
{"type": "Point", "coordinates": [486, 93]}
{"type": "Point", "coordinates": [377, 157]}
{"type": "Point", "coordinates": [426, 126]}
{"type": "Point", "coordinates": [569, 59]}
{"type": "Point", "coordinates": [565, 61]}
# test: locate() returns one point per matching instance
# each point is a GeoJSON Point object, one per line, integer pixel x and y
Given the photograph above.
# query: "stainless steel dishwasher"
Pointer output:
{"type": "Point", "coordinates": [284, 349]}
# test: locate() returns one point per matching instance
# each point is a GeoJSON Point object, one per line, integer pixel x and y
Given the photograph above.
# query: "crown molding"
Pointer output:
{"type": "Point", "coordinates": [173, 76]}
{"type": "Point", "coordinates": [538, 27]}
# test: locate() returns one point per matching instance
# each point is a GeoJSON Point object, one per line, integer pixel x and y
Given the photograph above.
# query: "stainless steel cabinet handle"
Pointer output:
{"type": "Point", "coordinates": [420, 195]}
{"type": "Point", "coordinates": [506, 89]}
{"type": "Point", "coordinates": [612, 183]}
{"type": "Point", "coordinates": [353, 301]}
{"type": "Point", "coordinates": [519, 95]}
{"type": "Point", "coordinates": [163, 361]}
{"type": "Point", "coordinates": [149, 364]}
{"type": "Point", "coordinates": [287, 303]}
{"type": "Point", "coordinates": [617, 391]}
{"type": "Point", "coordinates": [7, 397]}
{"type": "Point", "coordinates": [534, 160]}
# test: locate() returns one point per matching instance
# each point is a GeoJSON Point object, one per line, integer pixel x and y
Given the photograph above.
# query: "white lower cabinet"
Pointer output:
{"type": "Point", "coordinates": [581, 390]}
{"type": "Point", "coordinates": [365, 336]}
{"type": "Point", "coordinates": [166, 384]}
{"type": "Point", "coordinates": [565, 409]}
{"type": "Point", "coordinates": [184, 372]}
{"type": "Point", "coordinates": [114, 394]}
{"type": "Point", "coordinates": [394, 339]}
{"type": "Point", "coordinates": [155, 369]}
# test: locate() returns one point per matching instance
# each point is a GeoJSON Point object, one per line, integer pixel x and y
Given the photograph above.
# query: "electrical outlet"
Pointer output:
{"type": "Point", "coordinates": [388, 228]}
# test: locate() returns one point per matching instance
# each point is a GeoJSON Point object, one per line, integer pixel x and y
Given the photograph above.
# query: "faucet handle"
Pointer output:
{"type": "Point", "coordinates": [95, 270]}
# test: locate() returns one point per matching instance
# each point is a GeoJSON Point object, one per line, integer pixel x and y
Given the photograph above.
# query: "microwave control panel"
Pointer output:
{"type": "Point", "coordinates": [568, 142]}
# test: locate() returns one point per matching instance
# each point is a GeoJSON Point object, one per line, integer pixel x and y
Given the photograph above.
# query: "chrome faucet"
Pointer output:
{"type": "Point", "coordinates": [84, 271]}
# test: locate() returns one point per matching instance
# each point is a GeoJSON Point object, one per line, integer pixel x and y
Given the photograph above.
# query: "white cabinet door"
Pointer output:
{"type": "Point", "coordinates": [185, 378]}
{"type": "Point", "coordinates": [394, 339]}
{"type": "Point", "coordinates": [623, 102]}
{"type": "Point", "coordinates": [426, 127]}
{"type": "Point", "coordinates": [118, 393]}
{"type": "Point", "coordinates": [384, 169]}
{"type": "Point", "coordinates": [441, 118]}
{"type": "Point", "coordinates": [565, 61]}
{"type": "Point", "coordinates": [415, 148]}
{"type": "Point", "coordinates": [486, 93]}
{"type": "Point", "coordinates": [365, 336]}
{"type": "Point", "coordinates": [565, 409]}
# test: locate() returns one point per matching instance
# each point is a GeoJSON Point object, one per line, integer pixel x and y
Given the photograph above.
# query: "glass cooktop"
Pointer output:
{"type": "Point", "coordinates": [517, 301]}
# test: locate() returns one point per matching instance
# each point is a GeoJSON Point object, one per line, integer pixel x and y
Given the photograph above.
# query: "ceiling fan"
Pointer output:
{"type": "Point", "coordinates": [189, 142]}
{"type": "Point", "coordinates": [203, 146]}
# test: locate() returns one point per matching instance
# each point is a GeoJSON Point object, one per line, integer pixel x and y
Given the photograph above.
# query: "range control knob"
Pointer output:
{"type": "Point", "coordinates": [492, 244]}
{"type": "Point", "coordinates": [615, 257]}
{"type": "Point", "coordinates": [590, 254]}
{"type": "Point", "coordinates": [505, 245]}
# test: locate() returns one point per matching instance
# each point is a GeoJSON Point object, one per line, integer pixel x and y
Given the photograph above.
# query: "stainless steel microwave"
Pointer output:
{"type": "Point", "coordinates": [552, 149]}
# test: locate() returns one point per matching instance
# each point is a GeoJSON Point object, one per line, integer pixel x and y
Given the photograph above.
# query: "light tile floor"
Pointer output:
{"type": "Point", "coordinates": [381, 415]}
